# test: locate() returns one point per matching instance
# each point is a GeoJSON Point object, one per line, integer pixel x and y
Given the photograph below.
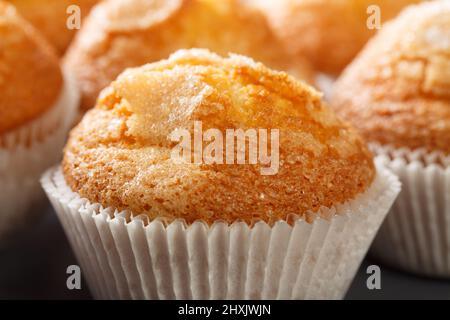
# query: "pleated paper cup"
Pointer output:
{"type": "Point", "coordinates": [416, 234]}
{"type": "Point", "coordinates": [25, 153]}
{"type": "Point", "coordinates": [125, 256]}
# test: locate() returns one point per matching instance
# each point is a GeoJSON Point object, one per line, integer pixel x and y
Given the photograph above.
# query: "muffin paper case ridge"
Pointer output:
{"type": "Point", "coordinates": [26, 153]}
{"type": "Point", "coordinates": [124, 256]}
{"type": "Point", "coordinates": [417, 230]}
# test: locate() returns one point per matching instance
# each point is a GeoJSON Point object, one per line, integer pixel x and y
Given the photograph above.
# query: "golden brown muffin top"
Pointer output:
{"type": "Point", "coordinates": [50, 18]}
{"type": "Point", "coordinates": [30, 77]}
{"type": "Point", "coordinates": [120, 153]}
{"type": "Point", "coordinates": [129, 33]}
{"type": "Point", "coordinates": [328, 32]}
{"type": "Point", "coordinates": [398, 90]}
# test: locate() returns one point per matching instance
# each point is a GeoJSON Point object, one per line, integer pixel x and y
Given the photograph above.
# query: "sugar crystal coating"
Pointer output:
{"type": "Point", "coordinates": [120, 153]}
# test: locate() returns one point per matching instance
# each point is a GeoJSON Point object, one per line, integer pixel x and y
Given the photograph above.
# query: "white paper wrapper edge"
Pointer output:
{"type": "Point", "coordinates": [416, 233]}
{"type": "Point", "coordinates": [131, 260]}
{"type": "Point", "coordinates": [26, 153]}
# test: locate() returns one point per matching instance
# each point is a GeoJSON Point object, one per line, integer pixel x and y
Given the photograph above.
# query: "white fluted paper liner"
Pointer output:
{"type": "Point", "coordinates": [416, 234]}
{"type": "Point", "coordinates": [123, 257]}
{"type": "Point", "coordinates": [25, 153]}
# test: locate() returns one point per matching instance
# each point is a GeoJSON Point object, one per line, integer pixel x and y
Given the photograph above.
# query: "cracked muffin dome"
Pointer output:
{"type": "Point", "coordinates": [128, 33]}
{"type": "Point", "coordinates": [30, 76]}
{"type": "Point", "coordinates": [397, 92]}
{"type": "Point", "coordinates": [50, 18]}
{"type": "Point", "coordinates": [119, 155]}
{"type": "Point", "coordinates": [328, 32]}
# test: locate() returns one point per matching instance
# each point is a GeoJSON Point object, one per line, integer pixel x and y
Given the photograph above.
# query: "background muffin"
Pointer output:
{"type": "Point", "coordinates": [328, 33]}
{"type": "Point", "coordinates": [29, 83]}
{"type": "Point", "coordinates": [50, 18]}
{"type": "Point", "coordinates": [120, 34]}
{"type": "Point", "coordinates": [397, 93]}
{"type": "Point", "coordinates": [35, 110]}
{"type": "Point", "coordinates": [202, 231]}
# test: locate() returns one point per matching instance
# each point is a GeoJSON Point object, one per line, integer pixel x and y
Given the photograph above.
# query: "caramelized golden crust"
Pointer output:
{"type": "Point", "coordinates": [128, 33]}
{"type": "Point", "coordinates": [30, 77]}
{"type": "Point", "coordinates": [120, 153]}
{"type": "Point", "coordinates": [328, 32]}
{"type": "Point", "coordinates": [398, 90]}
{"type": "Point", "coordinates": [50, 18]}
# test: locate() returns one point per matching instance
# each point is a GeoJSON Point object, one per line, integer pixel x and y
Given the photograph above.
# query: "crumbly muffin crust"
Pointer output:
{"type": "Point", "coordinates": [50, 18]}
{"type": "Point", "coordinates": [30, 77]}
{"type": "Point", "coordinates": [120, 153]}
{"type": "Point", "coordinates": [328, 32]}
{"type": "Point", "coordinates": [129, 33]}
{"type": "Point", "coordinates": [397, 91]}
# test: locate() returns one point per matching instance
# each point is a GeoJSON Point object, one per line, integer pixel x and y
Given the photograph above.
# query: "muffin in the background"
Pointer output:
{"type": "Point", "coordinates": [50, 18]}
{"type": "Point", "coordinates": [329, 33]}
{"type": "Point", "coordinates": [36, 107]}
{"type": "Point", "coordinates": [397, 93]}
{"type": "Point", "coordinates": [128, 33]}
{"type": "Point", "coordinates": [146, 224]}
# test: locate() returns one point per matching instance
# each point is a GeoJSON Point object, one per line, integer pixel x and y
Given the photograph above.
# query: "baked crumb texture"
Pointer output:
{"type": "Point", "coordinates": [397, 92]}
{"type": "Point", "coordinates": [328, 32]}
{"type": "Point", "coordinates": [50, 18]}
{"type": "Point", "coordinates": [30, 77]}
{"type": "Point", "coordinates": [129, 33]}
{"type": "Point", "coordinates": [120, 153]}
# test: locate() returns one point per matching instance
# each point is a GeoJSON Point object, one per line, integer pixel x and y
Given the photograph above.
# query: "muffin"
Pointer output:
{"type": "Point", "coordinates": [121, 34]}
{"type": "Point", "coordinates": [397, 94]}
{"type": "Point", "coordinates": [328, 33]}
{"type": "Point", "coordinates": [35, 110]}
{"type": "Point", "coordinates": [163, 226]}
{"type": "Point", "coordinates": [50, 18]}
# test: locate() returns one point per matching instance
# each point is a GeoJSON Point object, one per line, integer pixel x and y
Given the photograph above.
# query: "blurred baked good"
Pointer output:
{"type": "Point", "coordinates": [397, 91]}
{"type": "Point", "coordinates": [50, 18]}
{"type": "Point", "coordinates": [328, 32]}
{"type": "Point", "coordinates": [37, 104]}
{"type": "Point", "coordinates": [127, 33]}
{"type": "Point", "coordinates": [30, 77]}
